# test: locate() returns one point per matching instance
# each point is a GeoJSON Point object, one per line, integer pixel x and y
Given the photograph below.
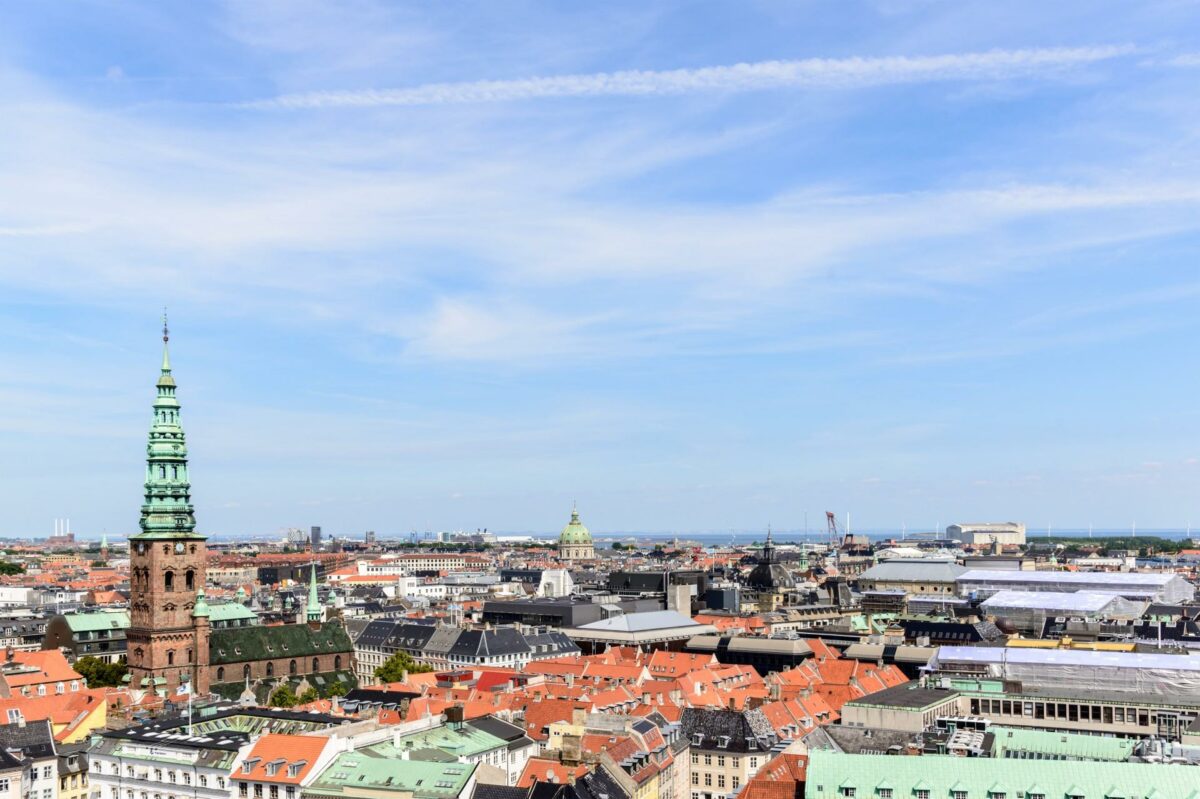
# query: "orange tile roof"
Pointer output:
{"type": "Point", "coordinates": [540, 770]}
{"type": "Point", "coordinates": [48, 666]}
{"type": "Point", "coordinates": [284, 751]}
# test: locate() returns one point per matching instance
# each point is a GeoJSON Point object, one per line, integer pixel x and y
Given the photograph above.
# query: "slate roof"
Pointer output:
{"type": "Point", "coordinates": [243, 644]}
{"type": "Point", "coordinates": [35, 739]}
{"type": "Point", "coordinates": [490, 643]}
{"type": "Point", "coordinates": [715, 726]}
{"type": "Point", "coordinates": [914, 571]}
{"type": "Point", "coordinates": [485, 791]}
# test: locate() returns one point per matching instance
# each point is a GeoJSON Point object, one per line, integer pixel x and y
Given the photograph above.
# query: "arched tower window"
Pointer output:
{"type": "Point", "coordinates": [220, 674]}
{"type": "Point", "coordinates": [292, 667]}
{"type": "Point", "coordinates": [270, 669]}
{"type": "Point", "coordinates": [316, 665]}
{"type": "Point", "coordinates": [170, 657]}
{"type": "Point", "coordinates": [169, 581]}
{"type": "Point", "coordinates": [246, 672]}
{"type": "Point", "coordinates": [337, 661]}
{"type": "Point", "coordinates": [189, 580]}
{"type": "Point", "coordinates": [189, 654]}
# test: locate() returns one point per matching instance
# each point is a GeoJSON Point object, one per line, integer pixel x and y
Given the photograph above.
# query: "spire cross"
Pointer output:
{"type": "Point", "coordinates": [166, 332]}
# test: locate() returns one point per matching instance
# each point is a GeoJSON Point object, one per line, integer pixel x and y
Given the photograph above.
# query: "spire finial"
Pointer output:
{"type": "Point", "coordinates": [166, 364]}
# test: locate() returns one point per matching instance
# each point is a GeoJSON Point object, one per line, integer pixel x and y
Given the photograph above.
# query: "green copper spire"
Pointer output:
{"type": "Point", "coordinates": [314, 602]}
{"type": "Point", "coordinates": [167, 509]}
{"type": "Point", "coordinates": [201, 606]}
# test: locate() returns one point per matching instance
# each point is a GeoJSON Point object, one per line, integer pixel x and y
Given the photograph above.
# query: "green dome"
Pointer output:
{"type": "Point", "coordinates": [201, 607]}
{"type": "Point", "coordinates": [575, 532]}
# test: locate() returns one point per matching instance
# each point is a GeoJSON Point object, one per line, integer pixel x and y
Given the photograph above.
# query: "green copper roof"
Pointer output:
{"type": "Point", "coordinates": [241, 644]}
{"type": "Point", "coordinates": [98, 620]}
{"type": "Point", "coordinates": [575, 532]}
{"type": "Point", "coordinates": [314, 603]}
{"type": "Point", "coordinates": [465, 742]}
{"type": "Point", "coordinates": [830, 773]}
{"type": "Point", "coordinates": [167, 506]}
{"type": "Point", "coordinates": [373, 769]}
{"type": "Point", "coordinates": [200, 609]}
{"type": "Point", "coordinates": [1071, 746]}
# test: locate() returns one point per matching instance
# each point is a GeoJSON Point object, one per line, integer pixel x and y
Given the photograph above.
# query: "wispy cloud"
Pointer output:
{"type": "Point", "coordinates": [827, 73]}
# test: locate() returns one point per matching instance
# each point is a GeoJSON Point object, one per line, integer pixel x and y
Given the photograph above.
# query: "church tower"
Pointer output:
{"type": "Point", "coordinates": [168, 617]}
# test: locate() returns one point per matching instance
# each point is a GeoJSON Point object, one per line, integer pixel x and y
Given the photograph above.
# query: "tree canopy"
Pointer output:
{"type": "Point", "coordinates": [99, 674]}
{"type": "Point", "coordinates": [392, 669]}
{"type": "Point", "coordinates": [7, 568]}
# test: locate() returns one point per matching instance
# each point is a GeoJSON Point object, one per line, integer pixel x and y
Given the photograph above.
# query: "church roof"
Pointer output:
{"type": "Point", "coordinates": [244, 644]}
{"type": "Point", "coordinates": [575, 532]}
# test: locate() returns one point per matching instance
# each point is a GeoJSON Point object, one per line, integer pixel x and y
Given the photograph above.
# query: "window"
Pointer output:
{"type": "Point", "coordinates": [243, 790]}
{"type": "Point", "coordinates": [14, 715]}
{"type": "Point", "coordinates": [736, 781]}
{"type": "Point", "coordinates": [922, 793]}
{"type": "Point", "coordinates": [337, 661]}
{"type": "Point", "coordinates": [189, 580]}
{"type": "Point", "coordinates": [169, 581]}
{"type": "Point", "coordinates": [270, 669]}
{"type": "Point", "coordinates": [220, 674]}
{"type": "Point", "coordinates": [958, 795]}
{"type": "Point", "coordinates": [720, 780]}
{"type": "Point", "coordinates": [847, 791]}
{"type": "Point", "coordinates": [42, 690]}
{"type": "Point", "coordinates": [1036, 795]}
{"type": "Point", "coordinates": [274, 792]}
{"type": "Point", "coordinates": [695, 778]}
{"type": "Point", "coordinates": [708, 780]}
{"type": "Point", "coordinates": [170, 657]}
{"type": "Point", "coordinates": [695, 757]}
{"type": "Point", "coordinates": [246, 672]}
{"type": "Point", "coordinates": [258, 791]}
{"type": "Point", "coordinates": [721, 761]}
{"type": "Point", "coordinates": [885, 793]}
{"type": "Point", "coordinates": [316, 665]}
{"type": "Point", "coordinates": [158, 775]}
{"type": "Point", "coordinates": [203, 780]}
{"type": "Point", "coordinates": [292, 667]}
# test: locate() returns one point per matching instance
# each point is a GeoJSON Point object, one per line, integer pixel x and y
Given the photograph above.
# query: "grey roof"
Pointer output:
{"type": "Point", "coordinates": [35, 739]}
{"type": "Point", "coordinates": [642, 622]}
{"type": "Point", "coordinates": [1051, 600]}
{"type": "Point", "coordinates": [1068, 657]}
{"type": "Point", "coordinates": [1083, 578]}
{"type": "Point", "coordinates": [490, 643]}
{"type": "Point", "coordinates": [914, 571]}
{"type": "Point", "coordinates": [727, 730]}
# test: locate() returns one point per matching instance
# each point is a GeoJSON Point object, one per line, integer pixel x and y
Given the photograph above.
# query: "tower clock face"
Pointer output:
{"type": "Point", "coordinates": [179, 548]}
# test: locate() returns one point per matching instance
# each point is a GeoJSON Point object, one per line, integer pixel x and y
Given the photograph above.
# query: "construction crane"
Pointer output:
{"type": "Point", "coordinates": [836, 539]}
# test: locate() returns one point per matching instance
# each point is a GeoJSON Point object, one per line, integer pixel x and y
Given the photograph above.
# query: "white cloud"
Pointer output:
{"type": "Point", "coordinates": [827, 73]}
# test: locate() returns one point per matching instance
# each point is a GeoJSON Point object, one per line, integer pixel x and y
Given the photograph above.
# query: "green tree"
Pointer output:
{"type": "Point", "coordinates": [391, 670]}
{"type": "Point", "coordinates": [98, 674]}
{"type": "Point", "coordinates": [310, 695]}
{"type": "Point", "coordinates": [337, 689]}
{"type": "Point", "coordinates": [283, 696]}
{"type": "Point", "coordinates": [7, 568]}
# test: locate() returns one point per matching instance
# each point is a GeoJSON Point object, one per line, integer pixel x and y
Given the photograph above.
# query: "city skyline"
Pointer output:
{"type": "Point", "coordinates": [920, 262]}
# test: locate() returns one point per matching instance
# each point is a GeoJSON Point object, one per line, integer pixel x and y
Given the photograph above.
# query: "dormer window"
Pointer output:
{"type": "Point", "coordinates": [697, 739]}
{"type": "Point", "coordinates": [273, 766]}
{"type": "Point", "coordinates": [250, 764]}
{"type": "Point", "coordinates": [294, 768]}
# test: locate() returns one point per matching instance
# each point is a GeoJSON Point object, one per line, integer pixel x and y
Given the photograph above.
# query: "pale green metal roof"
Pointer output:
{"type": "Point", "coordinates": [1060, 745]}
{"type": "Point", "coordinates": [465, 742]}
{"type": "Point", "coordinates": [230, 611]}
{"type": "Point", "coordinates": [830, 772]}
{"type": "Point", "coordinates": [100, 620]}
{"type": "Point", "coordinates": [382, 768]}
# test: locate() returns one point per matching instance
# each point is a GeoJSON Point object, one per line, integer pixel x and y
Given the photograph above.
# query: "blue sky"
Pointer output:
{"type": "Point", "coordinates": [699, 266]}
